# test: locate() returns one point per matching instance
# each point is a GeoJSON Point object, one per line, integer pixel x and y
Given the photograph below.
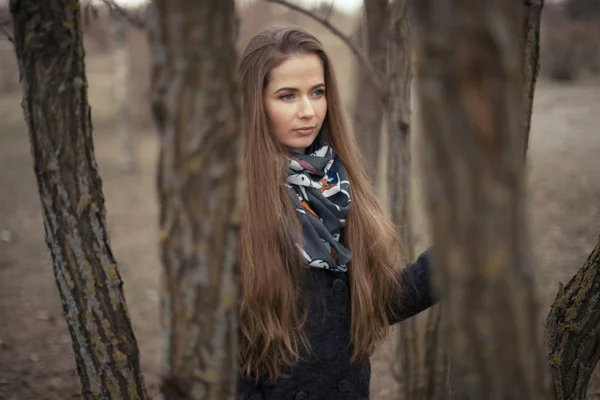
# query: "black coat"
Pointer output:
{"type": "Point", "coordinates": [327, 373]}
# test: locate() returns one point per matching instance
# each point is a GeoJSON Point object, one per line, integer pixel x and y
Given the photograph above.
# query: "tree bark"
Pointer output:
{"type": "Point", "coordinates": [531, 62]}
{"type": "Point", "coordinates": [409, 355]}
{"type": "Point", "coordinates": [196, 107]}
{"type": "Point", "coordinates": [572, 332]}
{"type": "Point", "coordinates": [438, 367]}
{"type": "Point", "coordinates": [399, 74]}
{"type": "Point", "coordinates": [368, 110]}
{"type": "Point", "coordinates": [49, 49]}
{"type": "Point", "coordinates": [424, 368]}
{"type": "Point", "coordinates": [470, 91]}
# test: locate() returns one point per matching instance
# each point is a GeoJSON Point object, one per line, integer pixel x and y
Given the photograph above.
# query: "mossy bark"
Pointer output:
{"type": "Point", "coordinates": [49, 48]}
{"type": "Point", "coordinates": [573, 331]}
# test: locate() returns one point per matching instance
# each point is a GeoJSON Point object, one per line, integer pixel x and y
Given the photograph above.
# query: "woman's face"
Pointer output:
{"type": "Point", "coordinates": [295, 101]}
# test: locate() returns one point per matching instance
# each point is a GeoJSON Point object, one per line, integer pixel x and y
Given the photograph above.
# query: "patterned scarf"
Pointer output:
{"type": "Point", "coordinates": [320, 191]}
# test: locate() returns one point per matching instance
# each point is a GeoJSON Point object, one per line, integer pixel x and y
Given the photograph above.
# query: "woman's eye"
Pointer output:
{"type": "Point", "coordinates": [286, 97]}
{"type": "Point", "coordinates": [319, 92]}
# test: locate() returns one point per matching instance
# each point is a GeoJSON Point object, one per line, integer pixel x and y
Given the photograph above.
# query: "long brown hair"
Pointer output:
{"type": "Point", "coordinates": [272, 309]}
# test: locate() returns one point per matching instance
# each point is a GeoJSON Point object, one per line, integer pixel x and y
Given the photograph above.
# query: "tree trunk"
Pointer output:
{"type": "Point", "coordinates": [398, 124]}
{"type": "Point", "coordinates": [409, 354]}
{"type": "Point", "coordinates": [572, 334]}
{"type": "Point", "coordinates": [196, 106]}
{"type": "Point", "coordinates": [369, 108]}
{"type": "Point", "coordinates": [423, 367]}
{"type": "Point", "coordinates": [572, 331]}
{"type": "Point", "coordinates": [531, 61]}
{"type": "Point", "coordinates": [118, 30]}
{"type": "Point", "coordinates": [49, 48]}
{"type": "Point", "coordinates": [437, 365]}
{"type": "Point", "coordinates": [470, 77]}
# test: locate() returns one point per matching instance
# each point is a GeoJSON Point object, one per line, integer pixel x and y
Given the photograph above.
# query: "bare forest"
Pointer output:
{"type": "Point", "coordinates": [562, 189]}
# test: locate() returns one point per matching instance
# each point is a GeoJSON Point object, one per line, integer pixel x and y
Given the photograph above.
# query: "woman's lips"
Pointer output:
{"type": "Point", "coordinates": [305, 131]}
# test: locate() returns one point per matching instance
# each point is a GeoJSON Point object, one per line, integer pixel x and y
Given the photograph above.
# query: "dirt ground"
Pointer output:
{"type": "Point", "coordinates": [36, 360]}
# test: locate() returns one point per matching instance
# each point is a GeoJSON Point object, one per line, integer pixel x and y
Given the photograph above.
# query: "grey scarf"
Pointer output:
{"type": "Point", "coordinates": [320, 191]}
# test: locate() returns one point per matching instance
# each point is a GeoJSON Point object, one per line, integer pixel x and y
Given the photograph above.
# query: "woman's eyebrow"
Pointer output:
{"type": "Point", "coordinates": [291, 89]}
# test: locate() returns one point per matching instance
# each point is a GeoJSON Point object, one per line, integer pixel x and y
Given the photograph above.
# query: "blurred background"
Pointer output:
{"type": "Point", "coordinates": [36, 359]}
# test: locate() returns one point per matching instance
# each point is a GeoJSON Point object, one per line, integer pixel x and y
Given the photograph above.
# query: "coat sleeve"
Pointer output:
{"type": "Point", "coordinates": [417, 292]}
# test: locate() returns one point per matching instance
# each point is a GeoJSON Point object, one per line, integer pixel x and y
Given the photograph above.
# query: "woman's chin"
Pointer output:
{"type": "Point", "coordinates": [301, 143]}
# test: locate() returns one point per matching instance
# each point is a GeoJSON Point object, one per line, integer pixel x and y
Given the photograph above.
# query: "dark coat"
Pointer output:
{"type": "Point", "coordinates": [327, 373]}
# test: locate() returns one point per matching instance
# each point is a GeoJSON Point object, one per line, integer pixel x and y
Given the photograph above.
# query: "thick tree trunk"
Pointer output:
{"type": "Point", "coordinates": [48, 43]}
{"type": "Point", "coordinates": [368, 113]}
{"type": "Point", "coordinates": [470, 91]}
{"type": "Point", "coordinates": [196, 106]}
{"type": "Point", "coordinates": [572, 331]}
{"type": "Point", "coordinates": [118, 30]}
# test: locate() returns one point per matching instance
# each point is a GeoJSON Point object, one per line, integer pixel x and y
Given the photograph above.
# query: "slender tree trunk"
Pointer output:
{"type": "Point", "coordinates": [398, 58]}
{"type": "Point", "coordinates": [196, 107]}
{"type": "Point", "coordinates": [422, 362]}
{"type": "Point", "coordinates": [531, 61]}
{"type": "Point", "coordinates": [119, 27]}
{"type": "Point", "coordinates": [369, 108]}
{"type": "Point", "coordinates": [470, 78]}
{"type": "Point", "coordinates": [438, 366]}
{"type": "Point", "coordinates": [398, 124]}
{"type": "Point", "coordinates": [48, 44]}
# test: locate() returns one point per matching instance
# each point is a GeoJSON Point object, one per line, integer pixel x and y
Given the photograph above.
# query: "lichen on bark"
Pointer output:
{"type": "Point", "coordinates": [49, 49]}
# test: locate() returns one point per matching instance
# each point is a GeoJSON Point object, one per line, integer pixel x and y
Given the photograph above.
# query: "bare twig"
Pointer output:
{"type": "Point", "coordinates": [364, 61]}
{"type": "Point", "coordinates": [329, 10]}
{"type": "Point", "coordinates": [122, 12]}
{"type": "Point", "coordinates": [90, 12]}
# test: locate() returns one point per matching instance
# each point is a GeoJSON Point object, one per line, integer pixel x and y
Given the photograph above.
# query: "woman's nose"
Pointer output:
{"type": "Point", "coordinates": [306, 109]}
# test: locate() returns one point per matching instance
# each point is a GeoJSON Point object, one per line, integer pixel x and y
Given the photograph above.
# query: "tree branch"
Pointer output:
{"type": "Point", "coordinates": [373, 76]}
{"type": "Point", "coordinates": [122, 12]}
{"type": "Point", "coordinates": [329, 10]}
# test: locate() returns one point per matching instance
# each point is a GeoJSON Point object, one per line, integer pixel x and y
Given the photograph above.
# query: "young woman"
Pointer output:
{"type": "Point", "coordinates": [322, 277]}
